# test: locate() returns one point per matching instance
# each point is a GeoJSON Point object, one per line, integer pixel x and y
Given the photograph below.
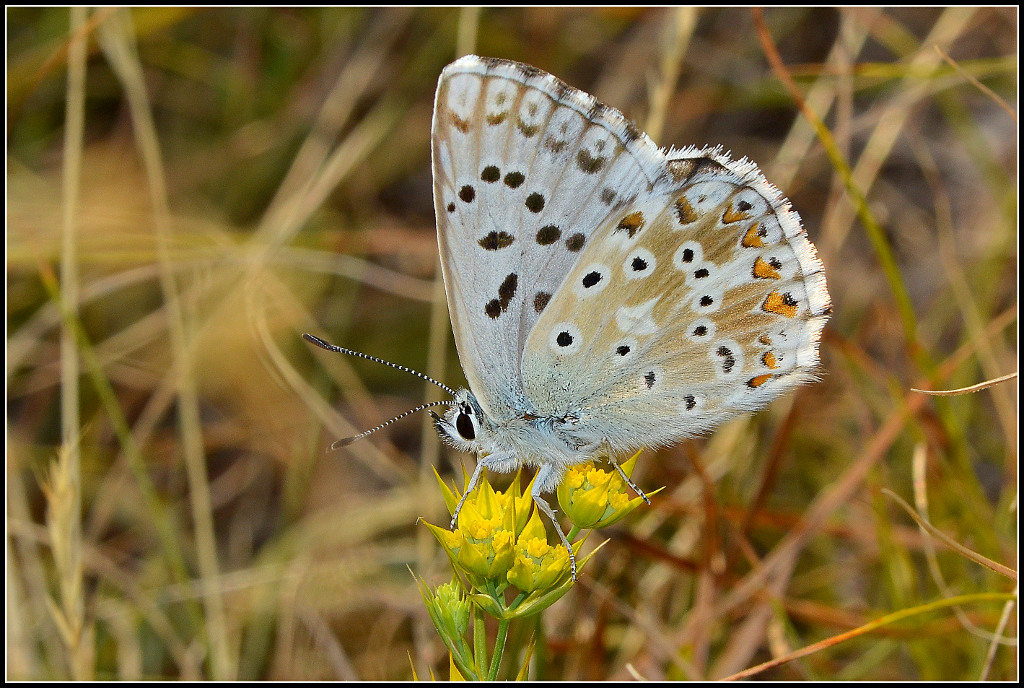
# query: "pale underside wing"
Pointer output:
{"type": "Point", "coordinates": [646, 296]}
{"type": "Point", "coordinates": [698, 301]}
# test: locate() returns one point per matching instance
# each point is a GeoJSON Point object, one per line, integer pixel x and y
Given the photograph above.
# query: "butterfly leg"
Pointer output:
{"type": "Point", "coordinates": [550, 513]}
{"type": "Point", "coordinates": [633, 486]}
{"type": "Point", "coordinates": [499, 463]}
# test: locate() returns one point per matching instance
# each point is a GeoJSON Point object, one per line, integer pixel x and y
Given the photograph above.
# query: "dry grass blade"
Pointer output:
{"type": "Point", "coordinates": [966, 390]}
{"type": "Point", "coordinates": [678, 31]}
{"type": "Point", "coordinates": [64, 490]}
{"type": "Point", "coordinates": [117, 38]}
{"type": "Point", "coordinates": [950, 542]}
{"type": "Point", "coordinates": [998, 639]}
{"type": "Point", "coordinates": [867, 628]}
{"type": "Point", "coordinates": [919, 462]}
{"type": "Point", "coordinates": [977, 84]}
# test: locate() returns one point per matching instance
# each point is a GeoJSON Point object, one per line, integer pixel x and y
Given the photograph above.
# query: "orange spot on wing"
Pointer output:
{"type": "Point", "coordinates": [631, 223]}
{"type": "Point", "coordinates": [769, 360]}
{"type": "Point", "coordinates": [763, 270]}
{"type": "Point", "coordinates": [730, 216]}
{"type": "Point", "coordinates": [780, 304]}
{"type": "Point", "coordinates": [758, 381]}
{"type": "Point", "coordinates": [752, 239]}
{"type": "Point", "coordinates": [685, 211]}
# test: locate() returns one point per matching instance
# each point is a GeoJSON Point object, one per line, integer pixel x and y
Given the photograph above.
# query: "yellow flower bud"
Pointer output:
{"type": "Point", "coordinates": [595, 498]}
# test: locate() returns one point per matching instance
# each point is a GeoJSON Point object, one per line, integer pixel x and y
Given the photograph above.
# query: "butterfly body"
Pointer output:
{"type": "Point", "coordinates": [552, 443]}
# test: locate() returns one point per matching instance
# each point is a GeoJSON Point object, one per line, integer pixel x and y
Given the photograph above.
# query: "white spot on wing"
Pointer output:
{"type": "Point", "coordinates": [637, 319]}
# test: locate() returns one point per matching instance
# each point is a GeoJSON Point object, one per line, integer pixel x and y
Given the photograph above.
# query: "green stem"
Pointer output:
{"type": "Point", "coordinates": [540, 649]}
{"type": "Point", "coordinates": [499, 649]}
{"type": "Point", "coordinates": [517, 601]}
{"type": "Point", "coordinates": [479, 641]}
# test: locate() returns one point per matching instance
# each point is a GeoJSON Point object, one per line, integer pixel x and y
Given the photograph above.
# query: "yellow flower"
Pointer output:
{"type": "Point", "coordinates": [595, 498]}
{"type": "Point", "coordinates": [482, 546]}
{"type": "Point", "coordinates": [537, 565]}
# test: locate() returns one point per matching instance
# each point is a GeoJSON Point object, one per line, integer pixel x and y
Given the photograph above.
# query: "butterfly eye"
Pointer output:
{"type": "Point", "coordinates": [464, 424]}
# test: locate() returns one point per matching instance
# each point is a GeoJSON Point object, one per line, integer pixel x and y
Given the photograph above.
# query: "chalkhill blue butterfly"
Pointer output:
{"type": "Point", "coordinates": [605, 295]}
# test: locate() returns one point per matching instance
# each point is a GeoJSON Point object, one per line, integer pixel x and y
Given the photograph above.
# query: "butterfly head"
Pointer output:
{"type": "Point", "coordinates": [464, 424]}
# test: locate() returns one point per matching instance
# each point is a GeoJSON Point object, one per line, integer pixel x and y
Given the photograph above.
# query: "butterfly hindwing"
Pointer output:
{"type": "Point", "coordinates": [526, 169]}
{"type": "Point", "coordinates": [693, 303]}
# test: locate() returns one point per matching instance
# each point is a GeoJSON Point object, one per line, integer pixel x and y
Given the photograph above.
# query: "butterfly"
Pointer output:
{"type": "Point", "coordinates": [605, 295]}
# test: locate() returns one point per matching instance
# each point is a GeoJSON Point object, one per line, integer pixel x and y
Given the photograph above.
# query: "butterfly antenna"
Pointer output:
{"type": "Point", "coordinates": [345, 441]}
{"type": "Point", "coordinates": [341, 350]}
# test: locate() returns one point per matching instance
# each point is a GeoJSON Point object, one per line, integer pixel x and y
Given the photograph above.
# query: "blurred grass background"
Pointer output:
{"type": "Point", "coordinates": [191, 189]}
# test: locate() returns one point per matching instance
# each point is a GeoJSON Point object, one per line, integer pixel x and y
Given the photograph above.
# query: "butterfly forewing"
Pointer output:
{"type": "Point", "coordinates": [526, 169]}
{"type": "Point", "coordinates": [697, 301]}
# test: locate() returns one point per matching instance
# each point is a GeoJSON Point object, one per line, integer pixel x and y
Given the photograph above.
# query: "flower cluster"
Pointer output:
{"type": "Point", "coordinates": [499, 541]}
{"type": "Point", "coordinates": [503, 563]}
{"type": "Point", "coordinates": [596, 498]}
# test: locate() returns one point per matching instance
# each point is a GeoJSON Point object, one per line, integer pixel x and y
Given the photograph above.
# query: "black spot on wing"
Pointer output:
{"type": "Point", "coordinates": [575, 242]}
{"type": "Point", "coordinates": [507, 290]}
{"type": "Point", "coordinates": [535, 202]}
{"type": "Point", "coordinates": [494, 241]}
{"type": "Point", "coordinates": [548, 235]}
{"type": "Point", "coordinates": [514, 180]}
